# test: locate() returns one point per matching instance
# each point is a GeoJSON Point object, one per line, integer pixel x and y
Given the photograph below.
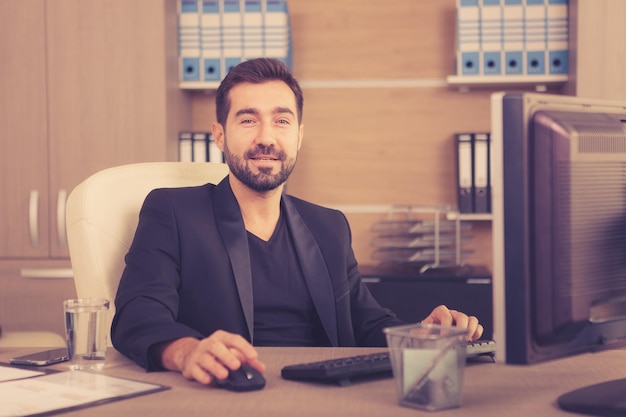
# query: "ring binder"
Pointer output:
{"type": "Point", "coordinates": [465, 172]}
{"type": "Point", "coordinates": [214, 36]}
{"type": "Point", "coordinates": [482, 194]}
{"type": "Point", "coordinates": [512, 39]}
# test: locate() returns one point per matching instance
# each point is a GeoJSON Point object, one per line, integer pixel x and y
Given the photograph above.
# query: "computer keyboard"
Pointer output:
{"type": "Point", "coordinates": [369, 366]}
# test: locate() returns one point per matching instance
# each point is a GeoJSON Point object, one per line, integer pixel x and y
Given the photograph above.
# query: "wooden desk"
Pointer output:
{"type": "Point", "coordinates": [491, 389]}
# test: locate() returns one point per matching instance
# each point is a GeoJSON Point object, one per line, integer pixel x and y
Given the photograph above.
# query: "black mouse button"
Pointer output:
{"type": "Point", "coordinates": [245, 378]}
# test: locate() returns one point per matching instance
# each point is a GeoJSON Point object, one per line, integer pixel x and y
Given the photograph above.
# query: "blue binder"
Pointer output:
{"type": "Point", "coordinates": [512, 38]}
{"type": "Point", "coordinates": [216, 35]}
{"type": "Point", "coordinates": [189, 40]}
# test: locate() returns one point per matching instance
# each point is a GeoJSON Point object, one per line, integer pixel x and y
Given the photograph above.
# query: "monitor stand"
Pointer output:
{"type": "Point", "coordinates": [603, 399]}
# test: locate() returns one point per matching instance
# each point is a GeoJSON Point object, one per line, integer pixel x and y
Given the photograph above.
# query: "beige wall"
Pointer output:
{"type": "Point", "coordinates": [598, 49]}
{"type": "Point", "coordinates": [378, 144]}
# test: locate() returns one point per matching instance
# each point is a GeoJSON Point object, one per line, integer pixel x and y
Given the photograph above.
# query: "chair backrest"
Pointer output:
{"type": "Point", "coordinates": [103, 211]}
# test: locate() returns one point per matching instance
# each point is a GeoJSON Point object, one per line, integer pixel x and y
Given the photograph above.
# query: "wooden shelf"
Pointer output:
{"type": "Point", "coordinates": [470, 216]}
{"type": "Point", "coordinates": [199, 85]}
{"type": "Point", "coordinates": [539, 83]}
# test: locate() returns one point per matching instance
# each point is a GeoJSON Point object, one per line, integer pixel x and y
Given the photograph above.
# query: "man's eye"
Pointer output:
{"type": "Point", "coordinates": [283, 121]}
{"type": "Point", "coordinates": [247, 121]}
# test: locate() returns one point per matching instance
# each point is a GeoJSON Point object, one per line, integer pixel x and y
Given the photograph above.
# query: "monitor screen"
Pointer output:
{"type": "Point", "coordinates": [559, 225]}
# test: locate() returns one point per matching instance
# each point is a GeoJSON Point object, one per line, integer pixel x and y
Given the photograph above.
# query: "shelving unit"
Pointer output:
{"type": "Point", "coordinates": [539, 83]}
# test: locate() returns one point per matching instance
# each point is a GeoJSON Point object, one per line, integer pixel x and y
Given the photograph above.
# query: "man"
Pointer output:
{"type": "Point", "coordinates": [216, 269]}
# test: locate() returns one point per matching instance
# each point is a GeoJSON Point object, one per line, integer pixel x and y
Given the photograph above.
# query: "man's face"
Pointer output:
{"type": "Point", "coordinates": [262, 136]}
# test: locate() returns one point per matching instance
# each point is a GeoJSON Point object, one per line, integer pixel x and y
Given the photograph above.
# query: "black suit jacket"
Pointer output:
{"type": "Point", "coordinates": [188, 273]}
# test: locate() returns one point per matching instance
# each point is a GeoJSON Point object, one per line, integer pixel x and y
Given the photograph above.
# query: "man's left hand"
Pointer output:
{"type": "Point", "coordinates": [445, 317]}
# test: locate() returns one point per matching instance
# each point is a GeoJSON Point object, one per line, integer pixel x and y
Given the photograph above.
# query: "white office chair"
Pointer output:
{"type": "Point", "coordinates": [103, 211]}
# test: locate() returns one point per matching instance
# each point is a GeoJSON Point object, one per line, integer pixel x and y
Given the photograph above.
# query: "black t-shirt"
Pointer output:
{"type": "Point", "coordinates": [284, 314]}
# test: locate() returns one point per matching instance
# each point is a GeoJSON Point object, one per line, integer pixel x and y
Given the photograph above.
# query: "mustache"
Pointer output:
{"type": "Point", "coordinates": [265, 151]}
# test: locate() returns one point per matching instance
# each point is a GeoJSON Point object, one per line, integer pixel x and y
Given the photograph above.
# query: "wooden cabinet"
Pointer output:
{"type": "Point", "coordinates": [23, 129]}
{"type": "Point", "coordinates": [84, 85]}
{"type": "Point", "coordinates": [412, 296]}
{"type": "Point", "coordinates": [33, 303]}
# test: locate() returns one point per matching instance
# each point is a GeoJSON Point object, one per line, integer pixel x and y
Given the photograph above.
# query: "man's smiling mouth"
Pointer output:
{"type": "Point", "coordinates": [264, 158]}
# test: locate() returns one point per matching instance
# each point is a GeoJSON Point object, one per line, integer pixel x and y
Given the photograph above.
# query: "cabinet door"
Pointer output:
{"type": "Point", "coordinates": [23, 130]}
{"type": "Point", "coordinates": [33, 303]}
{"type": "Point", "coordinates": [107, 89]}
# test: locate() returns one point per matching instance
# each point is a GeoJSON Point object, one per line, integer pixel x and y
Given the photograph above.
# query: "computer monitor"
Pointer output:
{"type": "Point", "coordinates": [559, 225]}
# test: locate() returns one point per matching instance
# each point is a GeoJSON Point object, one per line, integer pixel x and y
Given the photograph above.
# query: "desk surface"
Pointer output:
{"type": "Point", "coordinates": [491, 389]}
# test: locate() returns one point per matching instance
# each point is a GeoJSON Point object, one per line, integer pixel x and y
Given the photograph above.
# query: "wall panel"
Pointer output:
{"type": "Point", "coordinates": [379, 117]}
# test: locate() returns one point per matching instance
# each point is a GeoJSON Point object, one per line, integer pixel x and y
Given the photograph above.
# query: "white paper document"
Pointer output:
{"type": "Point", "coordinates": [8, 373]}
{"type": "Point", "coordinates": [63, 391]}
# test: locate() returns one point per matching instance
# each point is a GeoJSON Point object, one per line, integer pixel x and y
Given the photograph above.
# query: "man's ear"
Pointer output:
{"type": "Point", "coordinates": [217, 130]}
{"type": "Point", "coordinates": [300, 135]}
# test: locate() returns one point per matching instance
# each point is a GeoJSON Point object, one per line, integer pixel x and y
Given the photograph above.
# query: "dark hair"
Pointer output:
{"type": "Point", "coordinates": [255, 71]}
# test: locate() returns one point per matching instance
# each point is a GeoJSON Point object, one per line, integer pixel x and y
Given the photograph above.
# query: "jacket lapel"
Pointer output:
{"type": "Point", "coordinates": [314, 269]}
{"type": "Point", "coordinates": [233, 232]}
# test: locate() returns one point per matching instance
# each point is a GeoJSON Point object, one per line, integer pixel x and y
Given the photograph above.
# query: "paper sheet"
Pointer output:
{"type": "Point", "coordinates": [8, 373]}
{"type": "Point", "coordinates": [64, 390]}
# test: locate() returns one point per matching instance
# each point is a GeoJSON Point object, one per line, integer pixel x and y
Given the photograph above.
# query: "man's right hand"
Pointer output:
{"type": "Point", "coordinates": [213, 356]}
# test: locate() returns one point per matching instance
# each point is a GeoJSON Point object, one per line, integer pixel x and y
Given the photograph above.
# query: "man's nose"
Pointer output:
{"type": "Point", "coordinates": [266, 135]}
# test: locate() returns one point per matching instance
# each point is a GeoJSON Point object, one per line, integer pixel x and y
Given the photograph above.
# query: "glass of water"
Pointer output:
{"type": "Point", "coordinates": [86, 332]}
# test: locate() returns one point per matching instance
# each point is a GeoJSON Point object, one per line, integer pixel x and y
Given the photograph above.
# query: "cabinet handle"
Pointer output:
{"type": "Point", "coordinates": [33, 218]}
{"type": "Point", "coordinates": [61, 232]}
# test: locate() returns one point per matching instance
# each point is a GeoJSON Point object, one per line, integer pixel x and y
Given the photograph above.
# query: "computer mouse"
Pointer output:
{"type": "Point", "coordinates": [246, 378]}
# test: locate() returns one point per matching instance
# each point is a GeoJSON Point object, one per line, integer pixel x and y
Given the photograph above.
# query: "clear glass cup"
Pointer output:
{"type": "Point", "coordinates": [86, 332]}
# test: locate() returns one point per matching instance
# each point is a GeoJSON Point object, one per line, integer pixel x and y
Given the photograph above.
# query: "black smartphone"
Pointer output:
{"type": "Point", "coordinates": [44, 358]}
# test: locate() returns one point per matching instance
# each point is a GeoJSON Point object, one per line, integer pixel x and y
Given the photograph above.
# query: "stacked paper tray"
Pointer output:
{"type": "Point", "coordinates": [420, 236]}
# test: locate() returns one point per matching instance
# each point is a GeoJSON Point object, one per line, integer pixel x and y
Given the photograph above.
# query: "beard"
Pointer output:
{"type": "Point", "coordinates": [264, 180]}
